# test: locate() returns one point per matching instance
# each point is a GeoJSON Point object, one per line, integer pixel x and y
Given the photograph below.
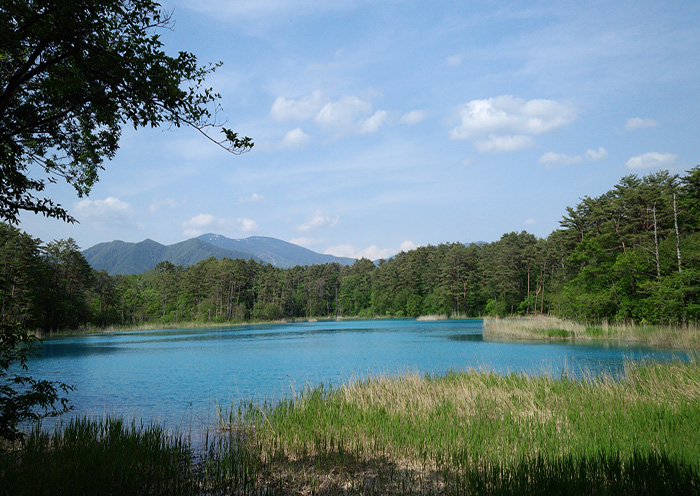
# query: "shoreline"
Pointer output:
{"type": "Point", "coordinates": [213, 325]}
{"type": "Point", "coordinates": [528, 328]}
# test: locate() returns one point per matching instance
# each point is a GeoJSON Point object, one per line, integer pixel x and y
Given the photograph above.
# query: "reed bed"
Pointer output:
{"type": "Point", "coordinates": [681, 336]}
{"type": "Point", "coordinates": [483, 433]}
{"type": "Point", "coordinates": [470, 432]}
{"type": "Point", "coordinates": [98, 457]}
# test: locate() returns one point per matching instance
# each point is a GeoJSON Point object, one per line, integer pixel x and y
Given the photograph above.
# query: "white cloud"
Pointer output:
{"type": "Point", "coordinates": [598, 154]}
{"type": "Point", "coordinates": [251, 199]}
{"type": "Point", "coordinates": [506, 123]}
{"type": "Point", "coordinates": [296, 138]}
{"type": "Point", "coordinates": [247, 225]}
{"type": "Point", "coordinates": [106, 214]}
{"type": "Point", "coordinates": [196, 225]}
{"type": "Point", "coordinates": [413, 117]}
{"type": "Point", "coordinates": [201, 220]}
{"type": "Point", "coordinates": [317, 222]}
{"type": "Point", "coordinates": [651, 160]}
{"type": "Point", "coordinates": [552, 158]}
{"type": "Point", "coordinates": [504, 143]}
{"type": "Point", "coordinates": [530, 222]}
{"type": "Point", "coordinates": [373, 124]}
{"type": "Point", "coordinates": [199, 224]}
{"type": "Point", "coordinates": [372, 252]}
{"type": "Point", "coordinates": [343, 112]}
{"type": "Point", "coordinates": [346, 115]}
{"type": "Point", "coordinates": [408, 246]}
{"type": "Point", "coordinates": [300, 109]}
{"type": "Point", "coordinates": [635, 123]}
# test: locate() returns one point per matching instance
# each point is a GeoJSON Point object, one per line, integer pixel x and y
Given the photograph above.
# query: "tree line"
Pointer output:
{"type": "Point", "coordinates": [631, 254]}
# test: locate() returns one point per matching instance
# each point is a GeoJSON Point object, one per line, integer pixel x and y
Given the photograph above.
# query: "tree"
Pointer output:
{"type": "Point", "coordinates": [71, 75]}
{"type": "Point", "coordinates": [21, 396]}
{"type": "Point", "coordinates": [68, 278]}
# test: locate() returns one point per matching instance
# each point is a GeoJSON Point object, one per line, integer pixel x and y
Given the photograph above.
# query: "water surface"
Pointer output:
{"type": "Point", "coordinates": [178, 377]}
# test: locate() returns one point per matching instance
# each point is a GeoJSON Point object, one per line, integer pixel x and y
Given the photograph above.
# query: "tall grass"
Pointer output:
{"type": "Point", "coordinates": [98, 457]}
{"type": "Point", "coordinates": [686, 336]}
{"type": "Point", "coordinates": [483, 433]}
{"type": "Point", "coordinates": [472, 432]}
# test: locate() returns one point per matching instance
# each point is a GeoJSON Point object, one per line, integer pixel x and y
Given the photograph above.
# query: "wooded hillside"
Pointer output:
{"type": "Point", "coordinates": [632, 254]}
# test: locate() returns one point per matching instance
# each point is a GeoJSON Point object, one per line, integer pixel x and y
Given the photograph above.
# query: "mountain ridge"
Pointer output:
{"type": "Point", "coordinates": [121, 257]}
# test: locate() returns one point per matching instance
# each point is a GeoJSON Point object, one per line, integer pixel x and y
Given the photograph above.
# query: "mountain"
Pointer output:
{"type": "Point", "coordinates": [274, 251]}
{"type": "Point", "coordinates": [119, 257]}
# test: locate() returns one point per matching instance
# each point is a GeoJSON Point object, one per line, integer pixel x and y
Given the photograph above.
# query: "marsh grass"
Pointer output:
{"type": "Point", "coordinates": [685, 336]}
{"type": "Point", "coordinates": [98, 457]}
{"type": "Point", "coordinates": [472, 432]}
{"type": "Point", "coordinates": [157, 326]}
{"type": "Point", "coordinates": [484, 433]}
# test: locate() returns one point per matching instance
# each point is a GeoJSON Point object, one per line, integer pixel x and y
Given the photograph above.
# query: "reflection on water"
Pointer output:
{"type": "Point", "coordinates": [467, 337]}
{"type": "Point", "coordinates": [180, 377]}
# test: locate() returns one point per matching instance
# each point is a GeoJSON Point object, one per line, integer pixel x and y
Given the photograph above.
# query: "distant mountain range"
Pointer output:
{"type": "Point", "coordinates": [119, 257]}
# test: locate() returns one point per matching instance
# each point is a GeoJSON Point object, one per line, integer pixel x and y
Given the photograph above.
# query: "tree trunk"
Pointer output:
{"type": "Point", "coordinates": [678, 238]}
{"type": "Point", "coordinates": [656, 245]}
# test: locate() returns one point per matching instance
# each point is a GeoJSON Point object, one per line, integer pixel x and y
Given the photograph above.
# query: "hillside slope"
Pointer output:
{"type": "Point", "coordinates": [119, 257]}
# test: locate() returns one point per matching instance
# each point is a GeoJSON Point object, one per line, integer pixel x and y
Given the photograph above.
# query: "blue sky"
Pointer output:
{"type": "Point", "coordinates": [381, 126]}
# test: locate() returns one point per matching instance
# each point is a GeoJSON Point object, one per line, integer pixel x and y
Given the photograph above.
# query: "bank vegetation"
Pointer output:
{"type": "Point", "coordinates": [680, 336]}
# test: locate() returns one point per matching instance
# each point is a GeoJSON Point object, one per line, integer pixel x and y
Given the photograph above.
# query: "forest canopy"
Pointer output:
{"type": "Point", "coordinates": [631, 254]}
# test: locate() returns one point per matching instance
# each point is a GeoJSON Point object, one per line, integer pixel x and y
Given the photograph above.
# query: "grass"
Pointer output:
{"type": "Point", "coordinates": [472, 432]}
{"type": "Point", "coordinates": [483, 433]}
{"type": "Point", "coordinates": [98, 457]}
{"type": "Point", "coordinates": [543, 327]}
{"type": "Point", "coordinates": [155, 326]}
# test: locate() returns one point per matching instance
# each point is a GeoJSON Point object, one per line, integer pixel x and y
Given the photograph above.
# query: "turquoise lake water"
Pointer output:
{"type": "Point", "coordinates": [179, 377]}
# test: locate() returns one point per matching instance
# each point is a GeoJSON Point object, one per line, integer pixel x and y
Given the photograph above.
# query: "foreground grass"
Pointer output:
{"type": "Point", "coordinates": [98, 457]}
{"type": "Point", "coordinates": [483, 433]}
{"type": "Point", "coordinates": [462, 433]}
{"type": "Point", "coordinates": [551, 328]}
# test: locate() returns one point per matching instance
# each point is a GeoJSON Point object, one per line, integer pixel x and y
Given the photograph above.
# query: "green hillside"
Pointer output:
{"type": "Point", "coordinates": [119, 257]}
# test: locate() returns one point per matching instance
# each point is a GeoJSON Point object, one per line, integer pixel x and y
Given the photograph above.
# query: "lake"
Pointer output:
{"type": "Point", "coordinates": [178, 377]}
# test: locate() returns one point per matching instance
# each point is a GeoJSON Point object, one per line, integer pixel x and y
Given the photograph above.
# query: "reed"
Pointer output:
{"type": "Point", "coordinates": [681, 336]}
{"type": "Point", "coordinates": [483, 433]}
{"type": "Point", "coordinates": [98, 457]}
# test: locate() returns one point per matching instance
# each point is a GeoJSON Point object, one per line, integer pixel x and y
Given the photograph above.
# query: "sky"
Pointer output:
{"type": "Point", "coordinates": [380, 126]}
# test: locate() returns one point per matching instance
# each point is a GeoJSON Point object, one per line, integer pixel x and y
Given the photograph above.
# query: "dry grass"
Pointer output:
{"type": "Point", "coordinates": [432, 317]}
{"type": "Point", "coordinates": [685, 336]}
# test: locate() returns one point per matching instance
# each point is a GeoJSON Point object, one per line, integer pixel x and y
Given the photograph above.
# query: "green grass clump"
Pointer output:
{"type": "Point", "coordinates": [556, 333]}
{"type": "Point", "coordinates": [98, 457]}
